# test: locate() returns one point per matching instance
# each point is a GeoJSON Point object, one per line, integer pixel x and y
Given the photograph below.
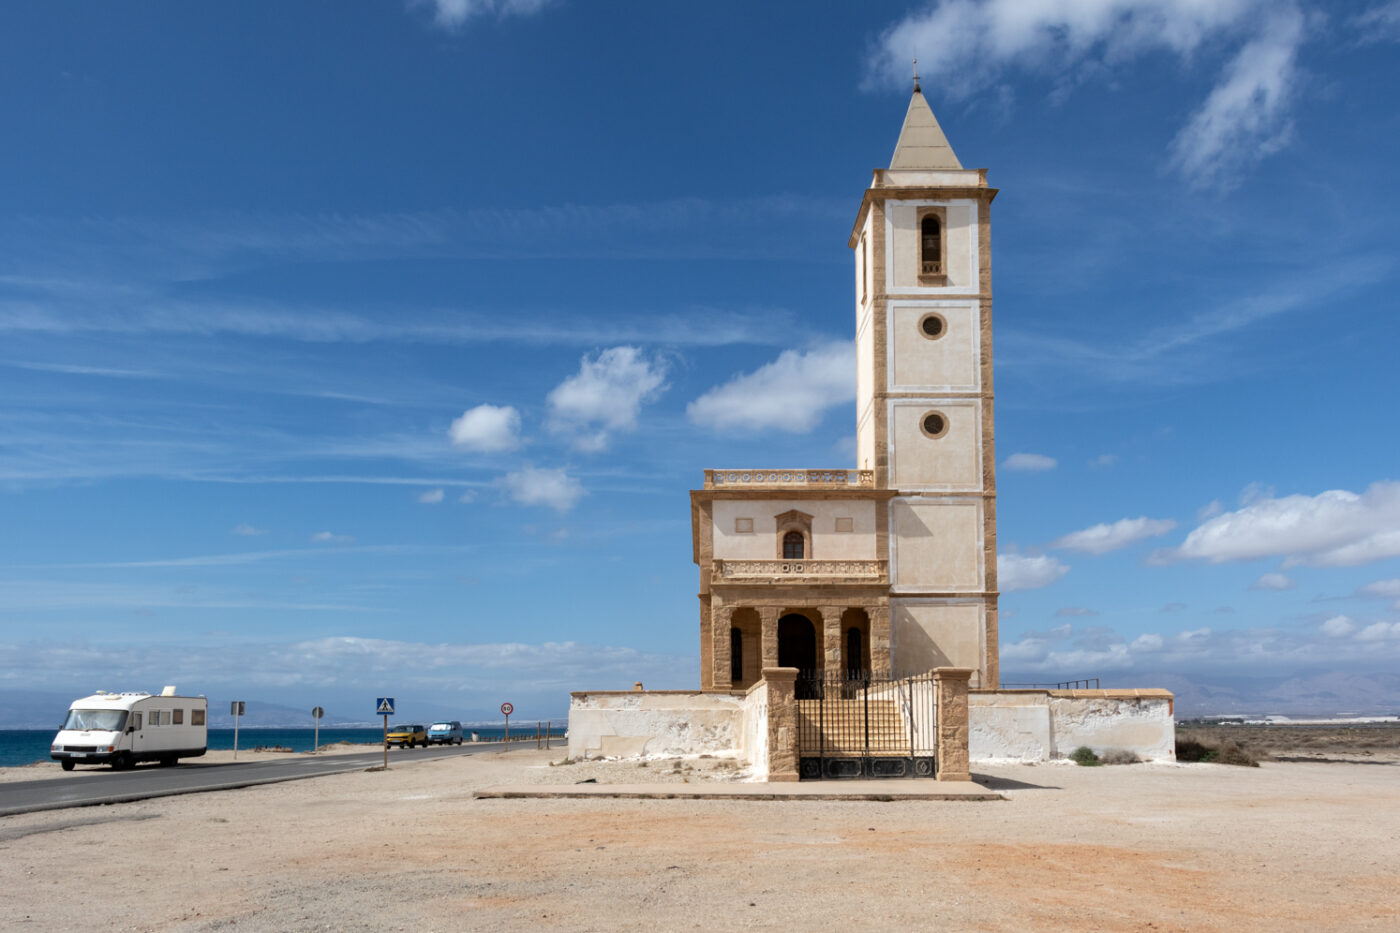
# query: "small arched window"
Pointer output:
{"type": "Point", "coordinates": [736, 655]}
{"type": "Point", "coordinates": [931, 246]}
{"type": "Point", "coordinates": [794, 546]}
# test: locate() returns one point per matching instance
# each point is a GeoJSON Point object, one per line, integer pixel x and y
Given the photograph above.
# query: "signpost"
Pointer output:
{"type": "Point", "coordinates": [235, 710]}
{"type": "Point", "coordinates": [506, 710]}
{"type": "Point", "coordinates": [384, 706]}
{"type": "Point", "coordinates": [316, 714]}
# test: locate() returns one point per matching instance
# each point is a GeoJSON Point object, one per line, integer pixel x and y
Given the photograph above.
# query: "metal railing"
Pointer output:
{"type": "Point", "coordinates": [1087, 683]}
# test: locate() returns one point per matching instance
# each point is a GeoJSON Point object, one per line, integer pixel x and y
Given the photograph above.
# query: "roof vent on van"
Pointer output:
{"type": "Point", "coordinates": [169, 691]}
{"type": "Point", "coordinates": [99, 693]}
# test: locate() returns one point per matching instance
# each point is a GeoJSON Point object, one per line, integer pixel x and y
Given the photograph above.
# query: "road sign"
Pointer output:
{"type": "Point", "coordinates": [317, 712]}
{"type": "Point", "coordinates": [236, 708]}
{"type": "Point", "coordinates": [384, 706]}
{"type": "Point", "coordinates": [507, 709]}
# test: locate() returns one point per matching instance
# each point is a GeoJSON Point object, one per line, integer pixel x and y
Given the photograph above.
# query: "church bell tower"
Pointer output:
{"type": "Point", "coordinates": [922, 243]}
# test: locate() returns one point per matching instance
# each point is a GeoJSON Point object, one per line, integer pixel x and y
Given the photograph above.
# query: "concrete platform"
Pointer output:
{"type": "Point", "coordinates": [888, 790]}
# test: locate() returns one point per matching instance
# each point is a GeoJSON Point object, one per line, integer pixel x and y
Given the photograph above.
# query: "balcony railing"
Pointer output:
{"type": "Point", "coordinates": [715, 479]}
{"type": "Point", "coordinates": [830, 571]}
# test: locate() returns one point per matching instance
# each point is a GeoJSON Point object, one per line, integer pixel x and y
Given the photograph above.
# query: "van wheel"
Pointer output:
{"type": "Point", "coordinates": [66, 764]}
{"type": "Point", "coordinates": [123, 762]}
{"type": "Point", "coordinates": [170, 762]}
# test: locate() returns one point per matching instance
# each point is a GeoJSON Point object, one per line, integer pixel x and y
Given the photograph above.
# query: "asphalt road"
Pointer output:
{"type": "Point", "coordinates": [102, 785]}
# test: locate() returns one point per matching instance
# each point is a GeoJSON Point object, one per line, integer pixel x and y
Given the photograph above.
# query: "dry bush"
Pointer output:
{"type": "Point", "coordinates": [1120, 756]}
{"type": "Point", "coordinates": [1225, 753]}
{"type": "Point", "coordinates": [1084, 757]}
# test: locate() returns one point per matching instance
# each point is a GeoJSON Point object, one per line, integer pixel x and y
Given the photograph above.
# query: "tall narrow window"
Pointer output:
{"type": "Point", "coordinates": [855, 651]}
{"type": "Point", "coordinates": [931, 250]}
{"type": "Point", "coordinates": [794, 546]}
{"type": "Point", "coordinates": [736, 655]}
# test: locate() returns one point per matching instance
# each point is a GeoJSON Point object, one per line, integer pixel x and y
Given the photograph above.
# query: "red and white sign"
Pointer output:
{"type": "Point", "coordinates": [507, 709]}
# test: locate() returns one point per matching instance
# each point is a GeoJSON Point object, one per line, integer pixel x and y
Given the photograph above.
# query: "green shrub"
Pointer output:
{"type": "Point", "coordinates": [1226, 753]}
{"type": "Point", "coordinates": [1084, 757]}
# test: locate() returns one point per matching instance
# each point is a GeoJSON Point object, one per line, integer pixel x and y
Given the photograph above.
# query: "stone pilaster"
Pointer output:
{"type": "Point", "coordinates": [768, 635]}
{"type": "Point", "coordinates": [781, 683]}
{"type": "Point", "coordinates": [723, 660]}
{"type": "Point", "coordinates": [832, 643]}
{"type": "Point", "coordinates": [879, 637]}
{"type": "Point", "coordinates": [953, 757]}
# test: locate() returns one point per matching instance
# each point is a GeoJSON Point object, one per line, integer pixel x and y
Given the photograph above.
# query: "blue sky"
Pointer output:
{"type": "Point", "coordinates": [351, 349]}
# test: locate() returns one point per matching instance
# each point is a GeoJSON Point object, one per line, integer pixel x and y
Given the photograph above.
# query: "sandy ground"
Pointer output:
{"type": "Point", "coordinates": [1290, 845]}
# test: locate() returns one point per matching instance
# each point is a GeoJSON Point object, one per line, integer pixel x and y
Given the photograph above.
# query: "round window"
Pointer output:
{"type": "Point", "coordinates": [934, 424]}
{"type": "Point", "coordinates": [933, 326]}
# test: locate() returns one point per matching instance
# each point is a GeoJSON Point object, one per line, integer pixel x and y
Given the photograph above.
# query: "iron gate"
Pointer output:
{"type": "Point", "coordinates": [859, 724]}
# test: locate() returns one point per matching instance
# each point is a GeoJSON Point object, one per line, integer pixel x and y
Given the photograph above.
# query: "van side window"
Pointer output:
{"type": "Point", "coordinates": [136, 721]}
{"type": "Point", "coordinates": [178, 717]}
{"type": "Point", "coordinates": [196, 717]}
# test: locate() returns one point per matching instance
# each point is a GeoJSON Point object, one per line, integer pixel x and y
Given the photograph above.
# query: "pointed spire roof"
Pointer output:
{"type": "Point", "coordinates": [922, 144]}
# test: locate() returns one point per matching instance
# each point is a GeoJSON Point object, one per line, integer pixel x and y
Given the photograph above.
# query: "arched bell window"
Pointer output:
{"type": "Point", "coordinates": [931, 250]}
{"type": "Point", "coordinates": [933, 264]}
{"type": "Point", "coordinates": [794, 546]}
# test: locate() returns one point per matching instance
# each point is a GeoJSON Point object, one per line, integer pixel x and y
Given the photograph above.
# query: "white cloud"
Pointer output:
{"type": "Point", "coordinates": [966, 46]}
{"type": "Point", "coordinates": [1336, 528]}
{"type": "Point", "coordinates": [1211, 509]}
{"type": "Point", "coordinates": [1339, 626]}
{"type": "Point", "coordinates": [605, 396]}
{"type": "Point", "coordinates": [1273, 581]}
{"type": "Point", "coordinates": [1103, 461]}
{"type": "Point", "coordinates": [432, 497]}
{"type": "Point", "coordinates": [1102, 538]}
{"type": "Point", "coordinates": [1072, 612]}
{"type": "Point", "coordinates": [789, 394]}
{"type": "Point", "coordinates": [451, 15]}
{"type": "Point", "coordinates": [487, 429]}
{"type": "Point", "coordinates": [1379, 631]}
{"type": "Point", "coordinates": [245, 529]}
{"type": "Point", "coordinates": [467, 496]}
{"type": "Point", "coordinates": [1148, 642]}
{"type": "Point", "coordinates": [551, 487]}
{"type": "Point", "coordinates": [1380, 23]}
{"type": "Point", "coordinates": [1385, 589]}
{"type": "Point", "coordinates": [1246, 116]}
{"type": "Point", "coordinates": [330, 537]}
{"type": "Point", "coordinates": [1030, 462]}
{"type": "Point", "coordinates": [1022, 572]}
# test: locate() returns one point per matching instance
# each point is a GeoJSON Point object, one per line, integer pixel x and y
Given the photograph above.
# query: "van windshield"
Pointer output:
{"type": "Point", "coordinates": [95, 720]}
{"type": "Point", "coordinates": [440, 727]}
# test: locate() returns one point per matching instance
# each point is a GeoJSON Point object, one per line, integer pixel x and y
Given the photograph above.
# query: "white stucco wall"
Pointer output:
{"type": "Point", "coordinates": [1039, 725]}
{"type": "Point", "coordinates": [627, 725]}
{"type": "Point", "coordinates": [936, 544]}
{"type": "Point", "coordinates": [950, 363]}
{"type": "Point", "coordinates": [755, 745]}
{"type": "Point", "coordinates": [763, 544]}
{"type": "Point", "coordinates": [951, 462]}
{"type": "Point", "coordinates": [930, 633]}
{"type": "Point", "coordinates": [902, 246]}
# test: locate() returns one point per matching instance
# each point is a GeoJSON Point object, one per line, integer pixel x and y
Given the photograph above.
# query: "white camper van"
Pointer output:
{"type": "Point", "coordinates": [121, 729]}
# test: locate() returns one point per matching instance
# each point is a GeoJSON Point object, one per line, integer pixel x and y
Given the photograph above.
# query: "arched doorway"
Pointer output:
{"type": "Point", "coordinates": [797, 647]}
{"type": "Point", "coordinates": [797, 643]}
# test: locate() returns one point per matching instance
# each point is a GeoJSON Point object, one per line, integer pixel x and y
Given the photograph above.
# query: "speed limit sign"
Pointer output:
{"type": "Point", "coordinates": [507, 709]}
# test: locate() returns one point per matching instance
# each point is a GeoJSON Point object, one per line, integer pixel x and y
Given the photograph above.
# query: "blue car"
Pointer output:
{"type": "Point", "coordinates": [445, 733]}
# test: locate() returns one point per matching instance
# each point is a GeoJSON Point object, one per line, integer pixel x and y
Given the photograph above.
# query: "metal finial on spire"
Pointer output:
{"type": "Point", "coordinates": [916, 73]}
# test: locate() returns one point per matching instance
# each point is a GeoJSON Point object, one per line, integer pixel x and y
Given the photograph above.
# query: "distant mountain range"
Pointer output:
{"type": "Point", "coordinates": [1327, 693]}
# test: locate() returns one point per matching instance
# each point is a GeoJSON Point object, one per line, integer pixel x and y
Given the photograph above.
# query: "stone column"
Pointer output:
{"type": "Point", "coordinates": [768, 635]}
{"type": "Point", "coordinates": [832, 645]}
{"type": "Point", "coordinates": [951, 686]}
{"type": "Point", "coordinates": [880, 637]}
{"type": "Point", "coordinates": [721, 620]}
{"type": "Point", "coordinates": [782, 722]}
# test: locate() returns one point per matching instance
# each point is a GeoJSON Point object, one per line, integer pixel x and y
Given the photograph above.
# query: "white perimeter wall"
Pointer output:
{"type": "Point", "coordinates": [629, 725]}
{"type": "Point", "coordinates": [1034, 726]}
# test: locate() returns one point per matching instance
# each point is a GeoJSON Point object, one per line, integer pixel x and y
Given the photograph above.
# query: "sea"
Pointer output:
{"type": "Point", "coordinates": [26, 746]}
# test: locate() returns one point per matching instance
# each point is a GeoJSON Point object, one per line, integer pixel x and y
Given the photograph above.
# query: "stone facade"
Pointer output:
{"type": "Point", "coordinates": [891, 566]}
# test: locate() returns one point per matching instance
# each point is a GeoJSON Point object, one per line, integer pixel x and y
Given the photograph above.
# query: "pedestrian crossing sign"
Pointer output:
{"type": "Point", "coordinates": [385, 706]}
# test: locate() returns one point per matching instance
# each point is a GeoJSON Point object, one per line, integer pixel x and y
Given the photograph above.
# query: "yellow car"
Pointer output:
{"type": "Point", "coordinates": [407, 735]}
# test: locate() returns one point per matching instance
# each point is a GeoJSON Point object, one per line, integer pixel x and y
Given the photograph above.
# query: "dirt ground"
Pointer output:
{"type": "Point", "coordinates": [1289, 845]}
